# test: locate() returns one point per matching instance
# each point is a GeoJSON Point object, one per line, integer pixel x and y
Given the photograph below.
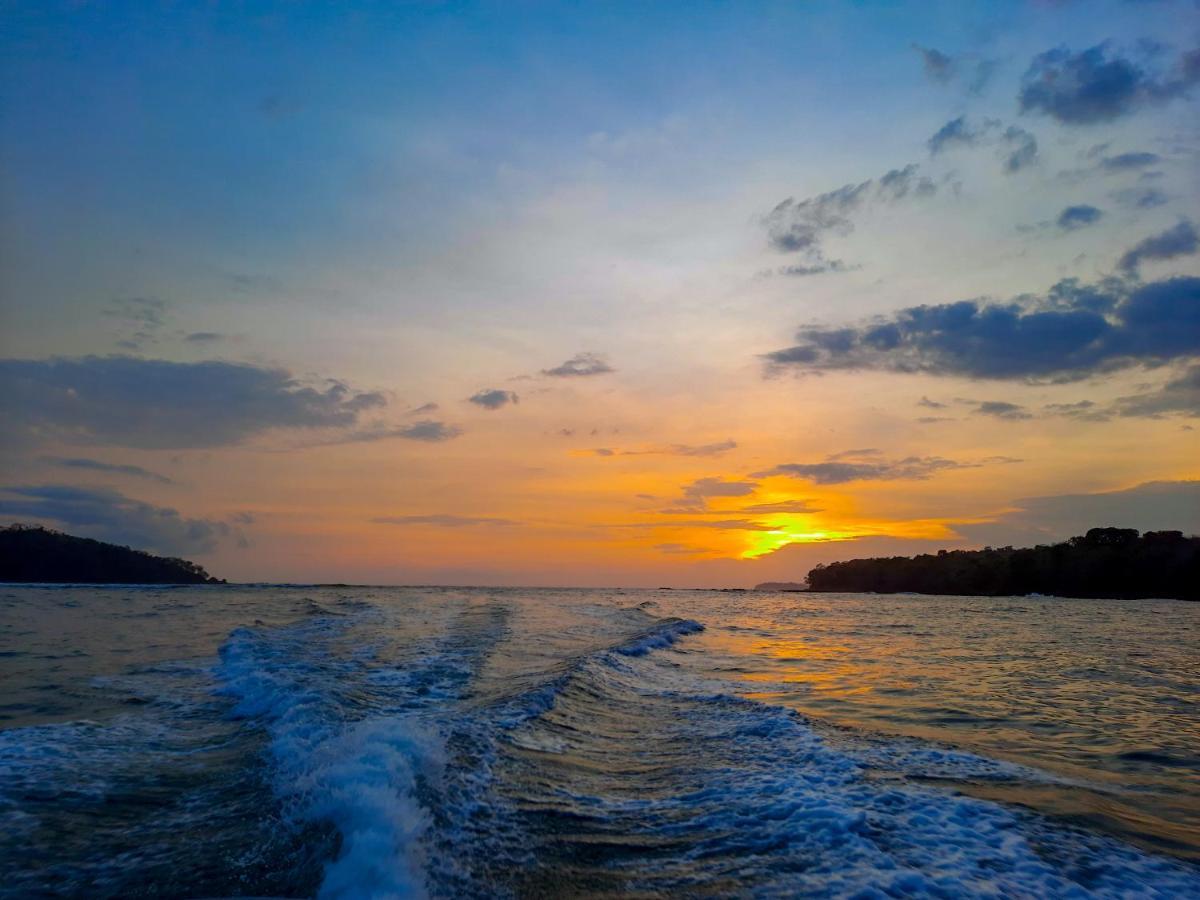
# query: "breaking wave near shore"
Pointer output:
{"type": "Point", "coordinates": [350, 743]}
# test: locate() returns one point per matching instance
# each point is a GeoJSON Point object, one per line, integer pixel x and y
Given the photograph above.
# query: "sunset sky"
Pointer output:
{"type": "Point", "coordinates": [606, 294]}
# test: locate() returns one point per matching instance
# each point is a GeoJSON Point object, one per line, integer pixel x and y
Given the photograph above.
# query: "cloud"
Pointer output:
{"type": "Point", "coordinates": [423, 410]}
{"type": "Point", "coordinates": [1086, 410]}
{"type": "Point", "coordinates": [581, 365]}
{"type": "Point", "coordinates": [944, 69]}
{"type": "Point", "coordinates": [938, 65]}
{"type": "Point", "coordinates": [1095, 86]}
{"type": "Point", "coordinates": [95, 465]}
{"type": "Point", "coordinates": [842, 468]}
{"type": "Point", "coordinates": [683, 549]}
{"type": "Point", "coordinates": [800, 226]}
{"type": "Point", "coordinates": [714, 449]}
{"type": "Point", "coordinates": [821, 268]}
{"type": "Point", "coordinates": [109, 515]}
{"type": "Point", "coordinates": [1073, 332]}
{"type": "Point", "coordinates": [426, 430]}
{"type": "Point", "coordinates": [930, 404]}
{"type": "Point", "coordinates": [444, 520]}
{"type": "Point", "coordinates": [1125, 162]}
{"type": "Point", "coordinates": [732, 525]}
{"type": "Point", "coordinates": [140, 318]}
{"type": "Point", "coordinates": [156, 404]}
{"type": "Point", "coordinates": [957, 132]}
{"type": "Point", "coordinates": [803, 507]}
{"type": "Point", "coordinates": [1139, 198]}
{"type": "Point", "coordinates": [1178, 396]}
{"type": "Point", "coordinates": [1075, 217]}
{"type": "Point", "coordinates": [1180, 240]}
{"type": "Point", "coordinates": [204, 337]}
{"type": "Point", "coordinates": [492, 398]}
{"type": "Point", "coordinates": [999, 409]}
{"type": "Point", "coordinates": [697, 494]}
{"type": "Point", "coordinates": [1154, 506]}
{"type": "Point", "coordinates": [1018, 148]}
{"type": "Point", "coordinates": [1021, 149]}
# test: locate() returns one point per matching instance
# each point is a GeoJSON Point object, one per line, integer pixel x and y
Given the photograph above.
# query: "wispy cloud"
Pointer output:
{"type": "Point", "coordinates": [153, 403]}
{"type": "Point", "coordinates": [840, 469]}
{"type": "Point", "coordinates": [1180, 240]}
{"type": "Point", "coordinates": [580, 365]}
{"type": "Point", "coordinates": [445, 520]}
{"type": "Point", "coordinates": [801, 226]}
{"type": "Point", "coordinates": [109, 515]}
{"type": "Point", "coordinates": [95, 465]}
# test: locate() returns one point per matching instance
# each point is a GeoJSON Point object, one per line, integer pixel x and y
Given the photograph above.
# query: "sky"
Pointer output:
{"type": "Point", "coordinates": [627, 294]}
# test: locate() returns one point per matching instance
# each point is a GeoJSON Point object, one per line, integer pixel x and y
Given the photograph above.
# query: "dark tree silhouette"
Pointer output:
{"type": "Point", "coordinates": [29, 553]}
{"type": "Point", "coordinates": [1105, 562]}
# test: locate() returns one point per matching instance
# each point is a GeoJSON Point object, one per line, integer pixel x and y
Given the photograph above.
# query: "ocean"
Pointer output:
{"type": "Point", "coordinates": [347, 742]}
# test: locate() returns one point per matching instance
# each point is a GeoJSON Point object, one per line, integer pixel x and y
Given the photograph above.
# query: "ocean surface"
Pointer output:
{"type": "Point", "coordinates": [407, 742]}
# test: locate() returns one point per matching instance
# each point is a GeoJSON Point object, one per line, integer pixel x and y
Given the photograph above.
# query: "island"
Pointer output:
{"type": "Point", "coordinates": [32, 554]}
{"type": "Point", "coordinates": [781, 586]}
{"type": "Point", "coordinates": [1105, 562]}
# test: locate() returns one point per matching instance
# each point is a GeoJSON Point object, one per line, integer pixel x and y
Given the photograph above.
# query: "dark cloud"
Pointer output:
{"type": "Point", "coordinates": [1180, 240]}
{"type": "Point", "coordinates": [800, 226]}
{"type": "Point", "coordinates": [423, 410]}
{"type": "Point", "coordinates": [1179, 396]}
{"type": "Point", "coordinates": [444, 520]}
{"type": "Point", "coordinates": [841, 468]}
{"type": "Point", "coordinates": [491, 398]}
{"type": "Point", "coordinates": [999, 409]}
{"type": "Point", "coordinates": [1075, 331]}
{"type": "Point", "coordinates": [204, 337]}
{"type": "Point", "coordinates": [1095, 85]}
{"type": "Point", "coordinates": [680, 549]}
{"type": "Point", "coordinates": [930, 404]}
{"type": "Point", "coordinates": [581, 365]}
{"type": "Point", "coordinates": [1125, 162]}
{"type": "Point", "coordinates": [150, 403]}
{"type": "Point", "coordinates": [109, 515]}
{"type": "Point", "coordinates": [1154, 506]}
{"type": "Point", "coordinates": [95, 465]}
{"type": "Point", "coordinates": [1074, 217]}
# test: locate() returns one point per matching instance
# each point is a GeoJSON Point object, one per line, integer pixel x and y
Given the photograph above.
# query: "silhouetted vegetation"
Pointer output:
{"type": "Point", "coordinates": [1106, 562]}
{"type": "Point", "coordinates": [29, 553]}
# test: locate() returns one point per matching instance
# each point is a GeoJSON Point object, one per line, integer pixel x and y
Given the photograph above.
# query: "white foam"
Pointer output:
{"type": "Point", "coordinates": [360, 776]}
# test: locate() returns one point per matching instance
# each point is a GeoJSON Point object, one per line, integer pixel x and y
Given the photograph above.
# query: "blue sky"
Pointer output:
{"type": "Point", "coordinates": [423, 202]}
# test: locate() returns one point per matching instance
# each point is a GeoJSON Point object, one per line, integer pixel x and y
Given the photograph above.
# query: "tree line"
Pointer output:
{"type": "Point", "coordinates": [1105, 562]}
{"type": "Point", "coordinates": [30, 553]}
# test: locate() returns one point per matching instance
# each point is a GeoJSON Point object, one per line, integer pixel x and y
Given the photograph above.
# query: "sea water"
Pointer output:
{"type": "Point", "coordinates": [434, 742]}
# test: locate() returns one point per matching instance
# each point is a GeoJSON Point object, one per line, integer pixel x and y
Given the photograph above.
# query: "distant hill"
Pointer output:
{"type": "Point", "coordinates": [29, 553]}
{"type": "Point", "coordinates": [781, 586]}
{"type": "Point", "coordinates": [1106, 562]}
